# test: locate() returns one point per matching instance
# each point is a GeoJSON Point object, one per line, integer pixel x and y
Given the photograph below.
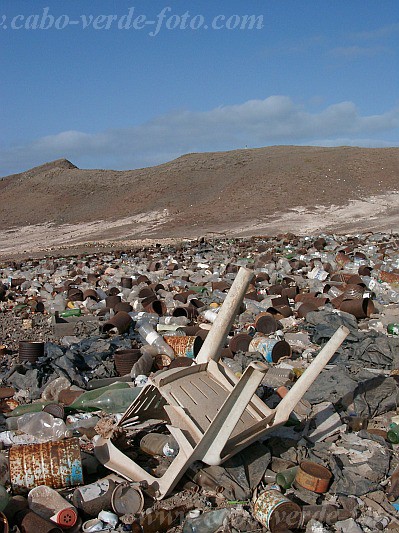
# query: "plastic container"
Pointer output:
{"type": "Point", "coordinates": [159, 444]}
{"type": "Point", "coordinates": [153, 338]}
{"type": "Point", "coordinates": [43, 426]}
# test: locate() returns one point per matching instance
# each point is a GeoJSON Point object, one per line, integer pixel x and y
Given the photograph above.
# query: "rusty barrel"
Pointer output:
{"type": "Point", "coordinates": [55, 464]}
{"type": "Point", "coordinates": [29, 351]}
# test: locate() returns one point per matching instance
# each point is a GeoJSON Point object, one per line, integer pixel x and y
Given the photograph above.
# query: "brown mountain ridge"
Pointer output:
{"type": "Point", "coordinates": [251, 191]}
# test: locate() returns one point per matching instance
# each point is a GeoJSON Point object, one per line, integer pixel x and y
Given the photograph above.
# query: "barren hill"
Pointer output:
{"type": "Point", "coordinates": [252, 191]}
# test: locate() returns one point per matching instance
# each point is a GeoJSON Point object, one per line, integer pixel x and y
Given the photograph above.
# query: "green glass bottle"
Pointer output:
{"type": "Point", "coordinates": [393, 433]}
{"type": "Point", "coordinates": [393, 329]}
{"type": "Point", "coordinates": [115, 398]}
{"type": "Point", "coordinates": [70, 312]}
{"type": "Point", "coordinates": [285, 478]}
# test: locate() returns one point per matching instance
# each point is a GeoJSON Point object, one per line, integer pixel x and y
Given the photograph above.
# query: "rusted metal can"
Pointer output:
{"type": "Point", "coordinates": [95, 497]}
{"type": "Point", "coordinates": [359, 308]}
{"type": "Point", "coordinates": [276, 512]}
{"type": "Point", "coordinates": [30, 522]}
{"type": "Point", "coordinates": [184, 346]}
{"type": "Point", "coordinates": [55, 464]}
{"type": "Point", "coordinates": [188, 311]}
{"type": "Point", "coordinates": [271, 349]}
{"type": "Point", "coordinates": [29, 351]}
{"type": "Point", "coordinates": [111, 301]}
{"type": "Point", "coordinates": [266, 323]}
{"type": "Point", "coordinates": [152, 305]}
{"type": "Point", "coordinates": [127, 499]}
{"type": "Point", "coordinates": [92, 294]}
{"type": "Point", "coordinates": [125, 359]}
{"type": "Point", "coordinates": [240, 342]}
{"type": "Point", "coordinates": [123, 306]}
{"type": "Point", "coordinates": [306, 308]}
{"type": "Point", "coordinates": [4, 527]}
{"type": "Point", "coordinates": [121, 321]}
{"type": "Point", "coordinates": [313, 476]}
{"type": "Point", "coordinates": [126, 283]}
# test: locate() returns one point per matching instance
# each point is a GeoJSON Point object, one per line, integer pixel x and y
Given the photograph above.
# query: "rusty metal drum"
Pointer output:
{"type": "Point", "coordinates": [55, 464]}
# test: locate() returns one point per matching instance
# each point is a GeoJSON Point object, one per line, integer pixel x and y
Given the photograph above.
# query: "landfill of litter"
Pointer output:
{"type": "Point", "coordinates": [211, 385]}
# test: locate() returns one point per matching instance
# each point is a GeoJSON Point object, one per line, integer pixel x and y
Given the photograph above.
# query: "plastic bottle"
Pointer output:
{"type": "Point", "coordinates": [75, 424]}
{"type": "Point", "coordinates": [209, 315]}
{"type": "Point", "coordinates": [207, 522]}
{"type": "Point", "coordinates": [159, 444]}
{"type": "Point", "coordinates": [43, 426]}
{"type": "Point", "coordinates": [153, 338]}
{"type": "Point", "coordinates": [115, 398]}
{"type": "Point", "coordinates": [142, 316]}
{"type": "Point", "coordinates": [174, 320]}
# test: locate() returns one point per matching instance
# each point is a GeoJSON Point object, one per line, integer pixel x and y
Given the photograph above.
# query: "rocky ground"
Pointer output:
{"type": "Point", "coordinates": [306, 287]}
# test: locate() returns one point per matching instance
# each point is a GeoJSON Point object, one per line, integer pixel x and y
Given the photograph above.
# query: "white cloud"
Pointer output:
{"type": "Point", "coordinates": [377, 33]}
{"type": "Point", "coordinates": [274, 120]}
{"type": "Point", "coordinates": [356, 52]}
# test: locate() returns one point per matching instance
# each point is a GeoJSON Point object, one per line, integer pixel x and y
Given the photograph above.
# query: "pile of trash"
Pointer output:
{"type": "Point", "coordinates": [212, 385]}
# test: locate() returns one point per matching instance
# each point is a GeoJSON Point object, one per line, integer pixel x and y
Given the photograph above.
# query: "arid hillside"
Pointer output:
{"type": "Point", "coordinates": [242, 192]}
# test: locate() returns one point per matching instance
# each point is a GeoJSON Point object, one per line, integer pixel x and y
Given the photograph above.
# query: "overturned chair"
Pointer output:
{"type": "Point", "coordinates": [209, 411]}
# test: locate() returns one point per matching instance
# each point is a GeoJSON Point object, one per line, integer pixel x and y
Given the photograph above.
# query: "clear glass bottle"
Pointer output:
{"type": "Point", "coordinates": [207, 522]}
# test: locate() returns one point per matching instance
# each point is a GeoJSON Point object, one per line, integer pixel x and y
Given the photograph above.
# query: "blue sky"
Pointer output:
{"type": "Point", "coordinates": [310, 72]}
